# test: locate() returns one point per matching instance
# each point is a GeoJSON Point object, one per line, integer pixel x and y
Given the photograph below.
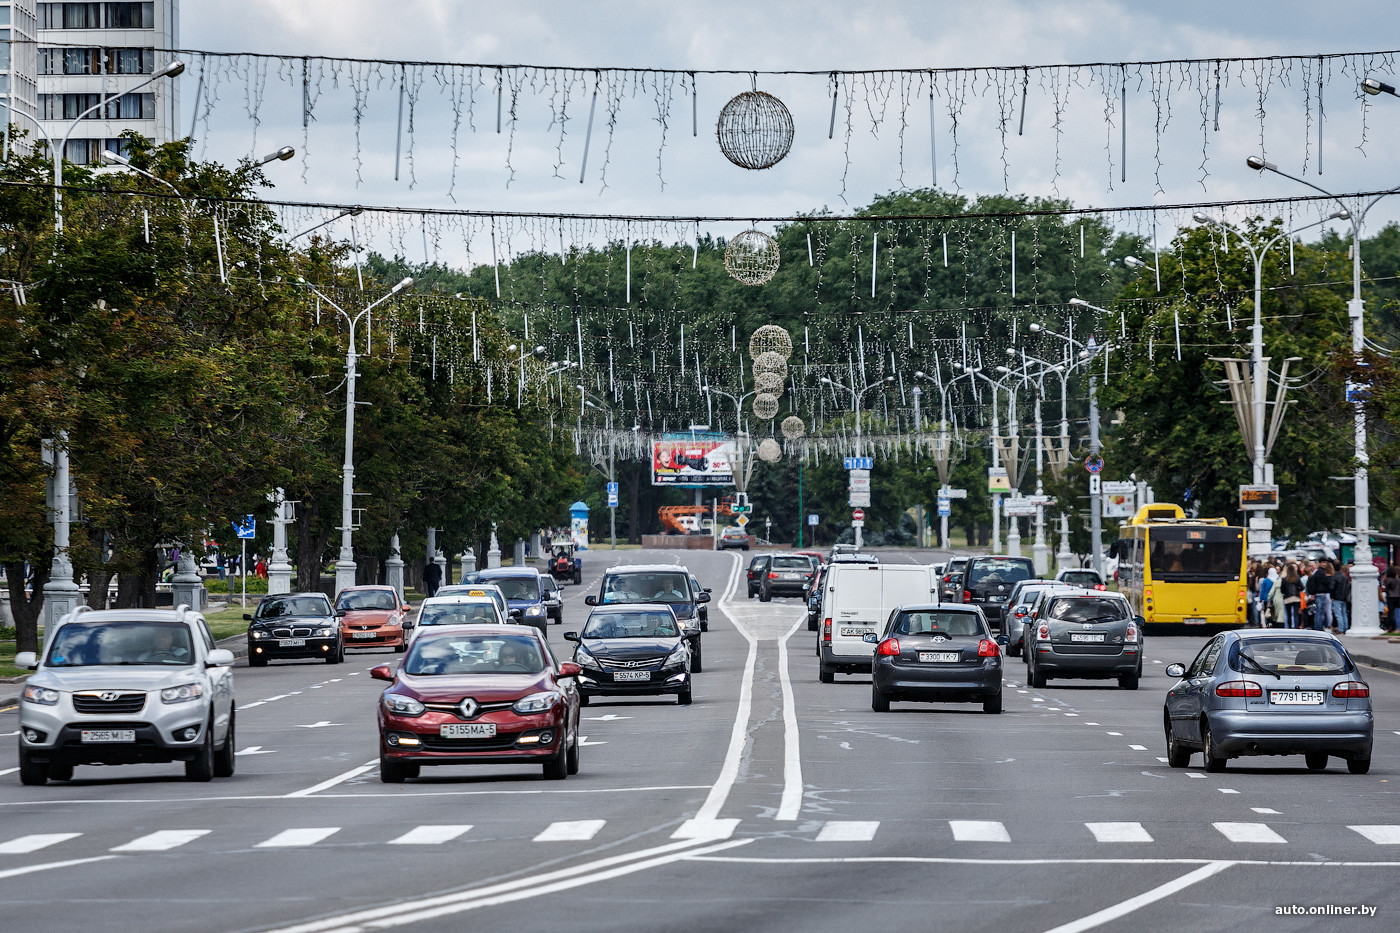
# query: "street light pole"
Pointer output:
{"type": "Point", "coordinates": [943, 438]}
{"type": "Point", "coordinates": [856, 397]}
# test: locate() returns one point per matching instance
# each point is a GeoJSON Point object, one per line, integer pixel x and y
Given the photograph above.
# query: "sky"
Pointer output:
{"type": "Point", "coordinates": [1001, 145]}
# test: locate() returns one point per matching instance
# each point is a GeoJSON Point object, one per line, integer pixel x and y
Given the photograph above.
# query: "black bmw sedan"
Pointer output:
{"type": "Point", "coordinates": [297, 625]}
{"type": "Point", "coordinates": [632, 650]}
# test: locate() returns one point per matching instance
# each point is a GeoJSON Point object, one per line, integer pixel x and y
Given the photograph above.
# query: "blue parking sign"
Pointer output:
{"type": "Point", "coordinates": [247, 528]}
{"type": "Point", "coordinates": [612, 495]}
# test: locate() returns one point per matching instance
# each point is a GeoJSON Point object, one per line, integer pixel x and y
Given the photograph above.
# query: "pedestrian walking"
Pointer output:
{"type": "Point", "coordinates": [1292, 588]}
{"type": "Point", "coordinates": [432, 577]}
{"type": "Point", "coordinates": [1319, 589]}
{"type": "Point", "coordinates": [1341, 599]}
{"type": "Point", "coordinates": [1391, 587]}
{"type": "Point", "coordinates": [1267, 585]}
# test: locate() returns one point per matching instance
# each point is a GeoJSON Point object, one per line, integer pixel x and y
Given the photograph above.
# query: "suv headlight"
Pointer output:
{"type": "Point", "coordinates": [259, 633]}
{"type": "Point", "coordinates": [325, 632]}
{"type": "Point", "coordinates": [536, 610]}
{"type": "Point", "coordinates": [41, 695]}
{"type": "Point", "coordinates": [181, 694]}
{"type": "Point", "coordinates": [402, 705]}
{"type": "Point", "coordinates": [536, 702]}
{"type": "Point", "coordinates": [677, 655]}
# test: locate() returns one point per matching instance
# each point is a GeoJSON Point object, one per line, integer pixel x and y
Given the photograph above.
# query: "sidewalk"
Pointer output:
{"type": "Point", "coordinates": [1382, 653]}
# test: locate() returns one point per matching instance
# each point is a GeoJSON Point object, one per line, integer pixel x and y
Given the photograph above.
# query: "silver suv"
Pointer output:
{"type": "Point", "coordinates": [127, 686]}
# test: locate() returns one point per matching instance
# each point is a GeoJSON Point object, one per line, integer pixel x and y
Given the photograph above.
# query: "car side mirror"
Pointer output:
{"type": "Point", "coordinates": [341, 613]}
{"type": "Point", "coordinates": [569, 669]}
{"type": "Point", "coordinates": [870, 638]}
{"type": "Point", "coordinates": [26, 660]}
{"type": "Point", "coordinates": [247, 617]}
{"type": "Point", "coordinates": [1176, 670]}
{"type": "Point", "coordinates": [382, 672]}
{"type": "Point", "coordinates": [1140, 621]}
{"type": "Point", "coordinates": [1003, 640]}
{"type": "Point", "coordinates": [703, 597]}
{"type": "Point", "coordinates": [571, 636]}
{"type": "Point", "coordinates": [407, 607]}
{"type": "Point", "coordinates": [590, 600]}
{"type": "Point", "coordinates": [219, 657]}
{"type": "Point", "coordinates": [516, 613]}
{"type": "Point", "coordinates": [707, 589]}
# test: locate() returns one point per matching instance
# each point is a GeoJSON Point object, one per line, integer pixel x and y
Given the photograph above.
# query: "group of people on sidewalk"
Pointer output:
{"type": "Point", "coordinates": [1313, 594]}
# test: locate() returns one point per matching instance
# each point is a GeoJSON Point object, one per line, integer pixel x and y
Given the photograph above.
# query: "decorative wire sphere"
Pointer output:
{"type": "Point", "coordinates": [755, 130]}
{"type": "Point", "coordinates": [751, 257]}
{"type": "Point", "coordinates": [770, 338]}
{"type": "Point", "coordinates": [770, 362]}
{"type": "Point", "coordinates": [771, 383]}
{"type": "Point", "coordinates": [793, 428]}
{"type": "Point", "coordinates": [765, 405]}
{"type": "Point", "coordinates": [770, 451]}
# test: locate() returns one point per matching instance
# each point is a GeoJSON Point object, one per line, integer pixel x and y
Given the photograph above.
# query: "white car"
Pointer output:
{"type": "Point", "coordinates": [475, 589]}
{"type": "Point", "coordinates": [438, 611]}
{"type": "Point", "coordinates": [127, 686]}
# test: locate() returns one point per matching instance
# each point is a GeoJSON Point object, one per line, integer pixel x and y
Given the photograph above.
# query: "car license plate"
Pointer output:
{"type": "Point", "coordinates": [98, 736]}
{"type": "Point", "coordinates": [1295, 697]}
{"type": "Point", "coordinates": [364, 635]}
{"type": "Point", "coordinates": [468, 730]}
{"type": "Point", "coordinates": [1194, 621]}
{"type": "Point", "coordinates": [631, 675]}
{"type": "Point", "coordinates": [292, 642]}
{"type": "Point", "coordinates": [938, 657]}
{"type": "Point", "coordinates": [1086, 636]}
{"type": "Point", "coordinates": [853, 632]}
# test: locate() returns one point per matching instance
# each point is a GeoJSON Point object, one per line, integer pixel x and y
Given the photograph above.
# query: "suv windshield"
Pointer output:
{"type": "Point", "coordinates": [293, 607]}
{"type": "Point", "coordinates": [458, 614]}
{"type": "Point", "coordinates": [446, 653]}
{"type": "Point", "coordinates": [367, 599]}
{"type": "Point", "coordinates": [997, 570]}
{"type": "Point", "coordinates": [1288, 656]}
{"type": "Point", "coordinates": [630, 625]}
{"type": "Point", "coordinates": [1079, 609]}
{"type": "Point", "coordinates": [657, 586]}
{"type": "Point", "coordinates": [792, 563]}
{"type": "Point", "coordinates": [83, 644]}
{"type": "Point", "coordinates": [515, 587]}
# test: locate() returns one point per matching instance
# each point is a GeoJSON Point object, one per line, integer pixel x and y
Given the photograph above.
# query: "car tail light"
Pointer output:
{"type": "Point", "coordinates": [1351, 690]}
{"type": "Point", "coordinates": [1239, 688]}
{"type": "Point", "coordinates": [1132, 633]}
{"type": "Point", "coordinates": [967, 596]}
{"type": "Point", "coordinates": [1101, 586]}
{"type": "Point", "coordinates": [772, 576]}
{"type": "Point", "coordinates": [986, 648]}
{"type": "Point", "coordinates": [826, 631]}
{"type": "Point", "coordinates": [889, 647]}
{"type": "Point", "coordinates": [1043, 633]}
{"type": "Point", "coordinates": [1019, 612]}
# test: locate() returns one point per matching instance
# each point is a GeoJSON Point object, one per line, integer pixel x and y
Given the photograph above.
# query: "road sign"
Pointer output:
{"type": "Point", "coordinates": [945, 507]}
{"type": "Point", "coordinates": [1017, 507]}
{"type": "Point", "coordinates": [860, 463]}
{"type": "Point", "coordinates": [955, 493]}
{"type": "Point", "coordinates": [1095, 484]}
{"type": "Point", "coordinates": [1119, 488]}
{"type": "Point", "coordinates": [858, 515]}
{"type": "Point", "coordinates": [1256, 498]}
{"type": "Point", "coordinates": [246, 529]}
{"type": "Point", "coordinates": [1093, 464]}
{"type": "Point", "coordinates": [612, 495]}
{"type": "Point", "coordinates": [859, 488]}
{"type": "Point", "coordinates": [741, 521]}
{"type": "Point", "coordinates": [812, 519]}
{"type": "Point", "coordinates": [997, 480]}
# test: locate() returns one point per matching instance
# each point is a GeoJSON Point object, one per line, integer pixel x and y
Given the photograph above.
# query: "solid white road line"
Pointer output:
{"type": "Point", "coordinates": [1227, 790]}
{"type": "Point", "coordinates": [978, 831]}
{"type": "Point", "coordinates": [1263, 809]}
{"type": "Point", "coordinates": [1380, 835]}
{"type": "Point", "coordinates": [338, 779]}
{"type": "Point", "coordinates": [1248, 832]}
{"type": "Point", "coordinates": [1124, 908]}
{"type": "Point", "coordinates": [162, 841]}
{"type": "Point", "coordinates": [4, 771]}
{"type": "Point", "coordinates": [848, 831]}
{"type": "Point", "coordinates": [429, 835]}
{"type": "Point", "coordinates": [1119, 832]}
{"type": "Point", "coordinates": [30, 869]}
{"type": "Point", "coordinates": [292, 838]}
{"type": "Point", "coordinates": [26, 844]}
{"type": "Point", "coordinates": [791, 802]}
{"type": "Point", "coordinates": [571, 831]}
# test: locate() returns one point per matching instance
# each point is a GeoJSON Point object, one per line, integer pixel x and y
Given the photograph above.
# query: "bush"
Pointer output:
{"type": "Point", "coordinates": [255, 585]}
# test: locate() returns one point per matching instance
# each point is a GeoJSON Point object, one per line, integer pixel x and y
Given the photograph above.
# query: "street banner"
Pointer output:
{"type": "Point", "coordinates": [1117, 504]}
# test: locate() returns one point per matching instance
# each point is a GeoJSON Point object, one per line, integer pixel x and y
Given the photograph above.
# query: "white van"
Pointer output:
{"type": "Point", "coordinates": [857, 597]}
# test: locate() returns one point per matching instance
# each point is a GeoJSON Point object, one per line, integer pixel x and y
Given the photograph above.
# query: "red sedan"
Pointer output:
{"type": "Point", "coordinates": [372, 617]}
{"type": "Point", "coordinates": [478, 694]}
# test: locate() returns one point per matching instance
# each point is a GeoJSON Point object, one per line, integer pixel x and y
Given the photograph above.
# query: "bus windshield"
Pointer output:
{"type": "Point", "coordinates": [1195, 555]}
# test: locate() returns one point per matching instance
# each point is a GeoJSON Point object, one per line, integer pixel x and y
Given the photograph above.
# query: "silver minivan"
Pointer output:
{"type": "Point", "coordinates": [127, 686]}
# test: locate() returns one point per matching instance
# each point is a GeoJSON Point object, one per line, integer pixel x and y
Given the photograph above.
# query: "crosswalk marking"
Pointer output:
{"type": "Point", "coordinates": [1119, 832]}
{"type": "Point", "coordinates": [978, 831]}
{"type": "Point", "coordinates": [1248, 832]}
{"type": "Point", "coordinates": [571, 831]}
{"type": "Point", "coordinates": [429, 835]}
{"type": "Point", "coordinates": [290, 838]}
{"type": "Point", "coordinates": [848, 831]}
{"type": "Point", "coordinates": [162, 840]}
{"type": "Point", "coordinates": [1380, 835]}
{"type": "Point", "coordinates": [26, 844]}
{"type": "Point", "coordinates": [1138, 748]}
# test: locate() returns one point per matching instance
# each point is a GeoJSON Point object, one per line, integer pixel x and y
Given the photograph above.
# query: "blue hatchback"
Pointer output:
{"type": "Point", "coordinates": [523, 589]}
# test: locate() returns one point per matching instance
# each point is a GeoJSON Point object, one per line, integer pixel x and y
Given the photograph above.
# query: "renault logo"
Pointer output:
{"type": "Point", "coordinates": [108, 696]}
{"type": "Point", "coordinates": [468, 708]}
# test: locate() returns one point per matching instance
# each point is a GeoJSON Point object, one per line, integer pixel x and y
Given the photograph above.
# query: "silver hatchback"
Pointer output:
{"type": "Point", "coordinates": [1270, 692]}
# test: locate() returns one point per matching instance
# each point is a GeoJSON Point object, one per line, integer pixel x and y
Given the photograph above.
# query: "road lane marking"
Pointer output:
{"type": "Point", "coordinates": [1263, 809]}
{"type": "Point", "coordinates": [1195, 774]}
{"type": "Point", "coordinates": [318, 725]}
{"type": "Point", "coordinates": [738, 736]}
{"type": "Point", "coordinates": [1248, 832]}
{"type": "Point", "coordinates": [1138, 748]}
{"type": "Point", "coordinates": [610, 717]}
{"type": "Point", "coordinates": [254, 750]}
{"type": "Point", "coordinates": [332, 782]}
{"type": "Point", "coordinates": [1227, 790]}
{"type": "Point", "coordinates": [1119, 832]}
{"type": "Point", "coordinates": [978, 831]}
{"type": "Point", "coordinates": [571, 831]}
{"type": "Point", "coordinates": [1162, 760]}
{"type": "Point", "coordinates": [162, 841]}
{"type": "Point", "coordinates": [1123, 908]}
{"type": "Point", "coordinates": [251, 705]}
{"type": "Point", "coordinates": [848, 831]}
{"type": "Point", "coordinates": [1090, 723]}
{"type": "Point", "coordinates": [294, 838]}
{"type": "Point", "coordinates": [1115, 733]}
{"type": "Point", "coordinates": [8, 771]}
{"type": "Point", "coordinates": [30, 869]}
{"type": "Point", "coordinates": [1380, 835]}
{"type": "Point", "coordinates": [791, 802]}
{"type": "Point", "coordinates": [706, 829]}
{"type": "Point", "coordinates": [26, 844]}
{"type": "Point", "coordinates": [429, 835]}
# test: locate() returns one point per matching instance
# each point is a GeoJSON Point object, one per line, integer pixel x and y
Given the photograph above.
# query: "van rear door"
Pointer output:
{"type": "Point", "coordinates": [854, 604]}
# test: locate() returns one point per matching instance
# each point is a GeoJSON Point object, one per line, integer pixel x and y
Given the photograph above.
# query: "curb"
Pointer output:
{"type": "Point", "coordinates": [1383, 664]}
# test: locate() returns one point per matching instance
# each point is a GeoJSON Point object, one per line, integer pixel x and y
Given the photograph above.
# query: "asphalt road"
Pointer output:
{"type": "Point", "coordinates": [772, 803]}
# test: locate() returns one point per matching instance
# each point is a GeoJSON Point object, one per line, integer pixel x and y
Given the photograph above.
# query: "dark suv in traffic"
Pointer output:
{"type": "Point", "coordinates": [668, 584]}
{"type": "Point", "coordinates": [988, 581]}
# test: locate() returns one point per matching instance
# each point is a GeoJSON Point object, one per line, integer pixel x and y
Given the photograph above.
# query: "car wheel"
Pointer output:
{"type": "Point", "coordinates": [765, 596]}
{"type": "Point", "coordinates": [201, 766]}
{"type": "Point", "coordinates": [751, 593]}
{"type": "Point", "coordinates": [391, 772]}
{"type": "Point", "coordinates": [697, 658]}
{"type": "Point", "coordinates": [401, 647]}
{"type": "Point", "coordinates": [578, 578]}
{"type": "Point", "coordinates": [556, 766]}
{"type": "Point", "coordinates": [878, 701]}
{"type": "Point", "coordinates": [1129, 681]}
{"type": "Point", "coordinates": [811, 625]}
{"type": "Point", "coordinates": [337, 655]}
{"type": "Point", "coordinates": [826, 676]}
{"type": "Point", "coordinates": [992, 704]}
{"type": "Point", "coordinates": [256, 660]}
{"type": "Point", "coordinates": [60, 772]}
{"type": "Point", "coordinates": [583, 699]}
{"type": "Point", "coordinates": [1359, 765]}
{"type": "Point", "coordinates": [1177, 756]}
{"type": "Point", "coordinates": [32, 773]}
{"type": "Point", "coordinates": [684, 698]}
{"type": "Point", "coordinates": [704, 625]}
{"type": "Point", "coordinates": [1036, 678]}
{"type": "Point", "coordinates": [223, 758]}
{"type": "Point", "coordinates": [571, 757]}
{"type": "Point", "coordinates": [1013, 651]}
{"type": "Point", "coordinates": [1214, 763]}
{"type": "Point", "coordinates": [1316, 761]}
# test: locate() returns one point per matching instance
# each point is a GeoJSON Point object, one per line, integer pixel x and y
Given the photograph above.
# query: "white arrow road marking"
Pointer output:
{"type": "Point", "coordinates": [318, 725]}
{"type": "Point", "coordinates": [608, 718]}
{"type": "Point", "coordinates": [254, 750]}
{"type": "Point", "coordinates": [583, 740]}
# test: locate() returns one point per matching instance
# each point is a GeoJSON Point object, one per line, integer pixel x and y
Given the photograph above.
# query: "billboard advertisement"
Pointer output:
{"type": "Point", "coordinates": [692, 461]}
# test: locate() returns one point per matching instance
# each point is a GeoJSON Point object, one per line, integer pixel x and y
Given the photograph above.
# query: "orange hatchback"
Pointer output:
{"type": "Point", "coordinates": [372, 617]}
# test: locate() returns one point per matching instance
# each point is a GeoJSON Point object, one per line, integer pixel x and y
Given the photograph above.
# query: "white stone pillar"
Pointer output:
{"type": "Point", "coordinates": [393, 569]}
{"type": "Point", "coordinates": [493, 553]}
{"type": "Point", "coordinates": [187, 586]}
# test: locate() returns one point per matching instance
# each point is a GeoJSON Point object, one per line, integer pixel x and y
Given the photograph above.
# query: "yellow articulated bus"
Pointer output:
{"type": "Point", "coordinates": [1179, 571]}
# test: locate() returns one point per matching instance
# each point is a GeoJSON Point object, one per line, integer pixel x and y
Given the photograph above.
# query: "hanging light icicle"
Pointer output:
{"type": "Point", "coordinates": [495, 262]}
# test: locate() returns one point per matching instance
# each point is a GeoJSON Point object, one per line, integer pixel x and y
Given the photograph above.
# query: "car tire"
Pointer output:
{"type": "Point", "coordinates": [556, 766]}
{"type": "Point", "coordinates": [704, 625]}
{"type": "Point", "coordinates": [1177, 756]}
{"type": "Point", "coordinates": [201, 766]}
{"type": "Point", "coordinates": [697, 658]}
{"type": "Point", "coordinates": [256, 660]}
{"type": "Point", "coordinates": [1013, 651]}
{"type": "Point", "coordinates": [811, 625]}
{"type": "Point", "coordinates": [336, 656]}
{"type": "Point", "coordinates": [584, 699]}
{"type": "Point", "coordinates": [578, 578]}
{"type": "Point", "coordinates": [878, 701]}
{"type": "Point", "coordinates": [1359, 765]}
{"type": "Point", "coordinates": [1214, 763]}
{"type": "Point", "coordinates": [992, 704]}
{"type": "Point", "coordinates": [684, 698]}
{"type": "Point", "coordinates": [765, 596]}
{"type": "Point", "coordinates": [32, 773]}
{"type": "Point", "coordinates": [60, 772]}
{"type": "Point", "coordinates": [401, 647]}
{"type": "Point", "coordinates": [571, 757]}
{"type": "Point", "coordinates": [1036, 678]}
{"type": "Point", "coordinates": [1316, 761]}
{"type": "Point", "coordinates": [826, 676]}
{"type": "Point", "coordinates": [224, 757]}
{"type": "Point", "coordinates": [1129, 681]}
{"type": "Point", "coordinates": [391, 772]}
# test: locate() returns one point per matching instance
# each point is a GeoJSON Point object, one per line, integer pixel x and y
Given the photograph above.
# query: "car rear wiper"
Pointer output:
{"type": "Point", "coordinates": [1246, 656]}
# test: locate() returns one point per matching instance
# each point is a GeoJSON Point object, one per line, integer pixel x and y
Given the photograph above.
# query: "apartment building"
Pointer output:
{"type": "Point", "coordinates": [19, 89]}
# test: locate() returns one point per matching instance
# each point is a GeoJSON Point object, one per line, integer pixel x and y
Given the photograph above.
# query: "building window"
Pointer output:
{"type": "Point", "coordinates": [125, 107]}
{"type": "Point", "coordinates": [129, 15]}
{"type": "Point", "coordinates": [97, 16]}
{"type": "Point", "coordinates": [132, 61]}
{"type": "Point", "coordinates": [89, 151]}
{"type": "Point", "coordinates": [59, 61]}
